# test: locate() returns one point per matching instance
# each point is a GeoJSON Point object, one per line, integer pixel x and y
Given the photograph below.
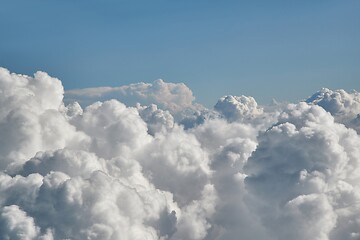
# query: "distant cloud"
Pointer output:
{"type": "Point", "coordinates": [145, 161]}
{"type": "Point", "coordinates": [234, 107]}
{"type": "Point", "coordinates": [169, 96]}
{"type": "Point", "coordinates": [344, 106]}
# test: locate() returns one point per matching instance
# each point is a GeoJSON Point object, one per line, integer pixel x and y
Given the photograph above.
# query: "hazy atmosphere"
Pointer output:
{"type": "Point", "coordinates": [179, 120]}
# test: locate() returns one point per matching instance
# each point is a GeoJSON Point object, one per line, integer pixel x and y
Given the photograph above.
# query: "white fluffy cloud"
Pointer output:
{"type": "Point", "coordinates": [303, 172]}
{"type": "Point", "coordinates": [157, 120]}
{"type": "Point", "coordinates": [30, 120]}
{"type": "Point", "coordinates": [238, 107]}
{"type": "Point", "coordinates": [157, 165]}
{"type": "Point", "coordinates": [344, 106]}
{"type": "Point", "coordinates": [169, 96]}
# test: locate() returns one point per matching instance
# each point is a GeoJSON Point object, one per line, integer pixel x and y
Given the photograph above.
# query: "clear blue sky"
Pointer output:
{"type": "Point", "coordinates": [267, 49]}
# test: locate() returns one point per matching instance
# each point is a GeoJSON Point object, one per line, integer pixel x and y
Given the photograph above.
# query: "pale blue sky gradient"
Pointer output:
{"type": "Point", "coordinates": [267, 49]}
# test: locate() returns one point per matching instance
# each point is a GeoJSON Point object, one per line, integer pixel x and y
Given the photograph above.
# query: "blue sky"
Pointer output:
{"type": "Point", "coordinates": [267, 49]}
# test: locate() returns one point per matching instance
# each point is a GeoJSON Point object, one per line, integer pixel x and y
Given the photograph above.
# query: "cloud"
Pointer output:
{"type": "Point", "coordinates": [344, 106]}
{"type": "Point", "coordinates": [16, 224]}
{"type": "Point", "coordinates": [144, 161]}
{"type": "Point", "coordinates": [113, 128]}
{"type": "Point", "coordinates": [300, 168]}
{"type": "Point", "coordinates": [36, 94]}
{"type": "Point", "coordinates": [169, 96]}
{"type": "Point", "coordinates": [238, 107]}
{"type": "Point", "coordinates": [157, 120]}
{"type": "Point", "coordinates": [175, 162]}
{"type": "Point", "coordinates": [30, 120]}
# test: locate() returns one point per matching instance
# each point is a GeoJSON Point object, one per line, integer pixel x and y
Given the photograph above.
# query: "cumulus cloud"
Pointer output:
{"type": "Point", "coordinates": [238, 107]}
{"type": "Point", "coordinates": [16, 224]}
{"type": "Point", "coordinates": [169, 96]}
{"type": "Point", "coordinates": [175, 161]}
{"type": "Point", "coordinates": [30, 120]}
{"type": "Point", "coordinates": [344, 106]}
{"type": "Point", "coordinates": [157, 120]}
{"type": "Point", "coordinates": [113, 128]}
{"type": "Point", "coordinates": [144, 161]}
{"type": "Point", "coordinates": [300, 168]}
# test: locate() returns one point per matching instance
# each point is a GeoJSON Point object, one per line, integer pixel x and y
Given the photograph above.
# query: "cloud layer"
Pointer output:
{"type": "Point", "coordinates": [144, 161]}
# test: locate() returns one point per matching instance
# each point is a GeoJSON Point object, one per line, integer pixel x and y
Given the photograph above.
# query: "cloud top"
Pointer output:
{"type": "Point", "coordinates": [169, 96]}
